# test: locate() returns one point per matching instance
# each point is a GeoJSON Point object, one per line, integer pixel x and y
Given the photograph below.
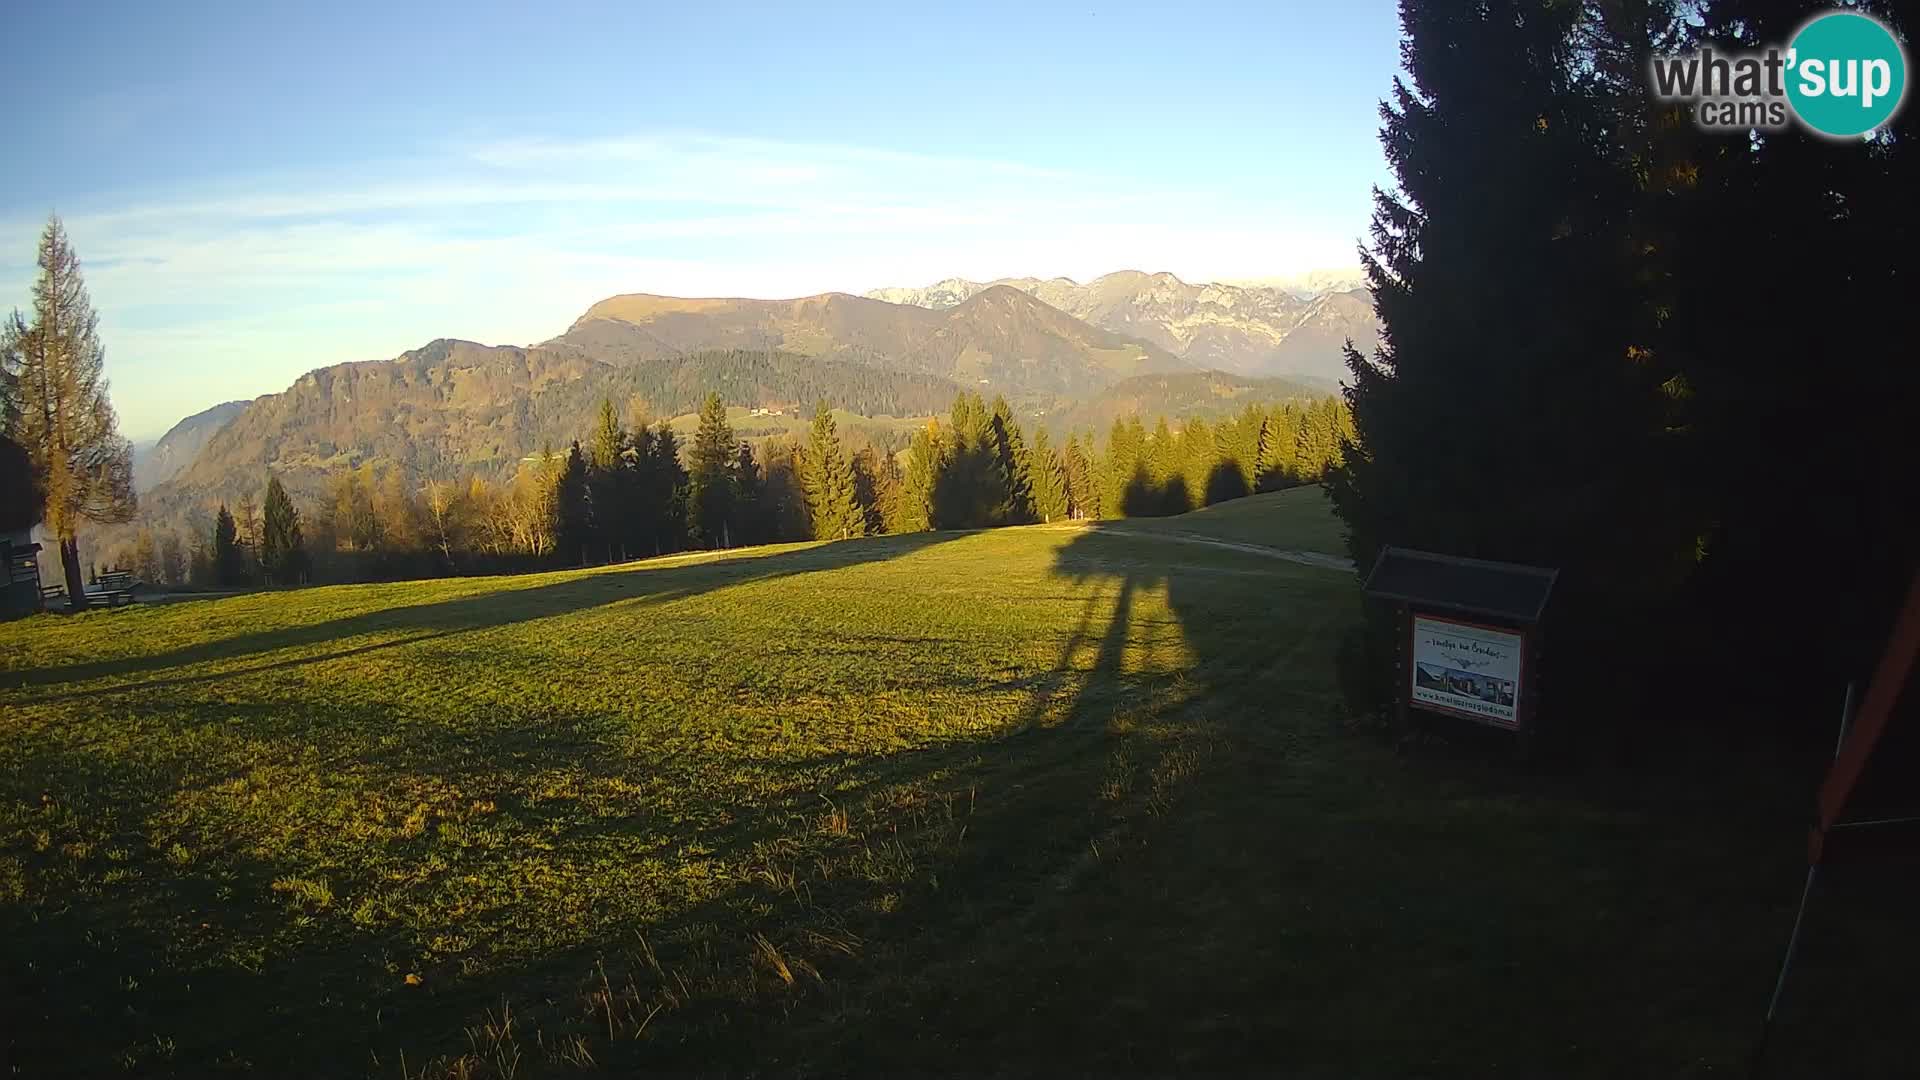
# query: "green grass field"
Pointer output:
{"type": "Point", "coordinates": [1014, 801]}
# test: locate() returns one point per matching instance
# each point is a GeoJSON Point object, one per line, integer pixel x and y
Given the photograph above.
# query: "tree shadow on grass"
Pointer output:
{"type": "Point", "coordinates": [513, 603]}
{"type": "Point", "coordinates": [1169, 861]}
{"type": "Point", "coordinates": [322, 993]}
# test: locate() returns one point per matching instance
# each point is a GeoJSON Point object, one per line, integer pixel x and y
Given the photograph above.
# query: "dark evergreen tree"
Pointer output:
{"type": "Point", "coordinates": [1013, 465]}
{"type": "Point", "coordinates": [283, 550]}
{"type": "Point", "coordinates": [971, 488]}
{"type": "Point", "coordinates": [713, 491]}
{"type": "Point", "coordinates": [1084, 481]}
{"type": "Point", "coordinates": [1049, 478]}
{"type": "Point", "coordinates": [871, 488]}
{"type": "Point", "coordinates": [611, 476]}
{"type": "Point", "coordinates": [783, 495]}
{"type": "Point", "coordinates": [751, 524]}
{"type": "Point", "coordinates": [229, 566]}
{"type": "Point", "coordinates": [573, 515]}
{"type": "Point", "coordinates": [1512, 411]}
{"type": "Point", "coordinates": [666, 485]}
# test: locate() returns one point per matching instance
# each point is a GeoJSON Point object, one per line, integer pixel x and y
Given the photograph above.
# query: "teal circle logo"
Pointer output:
{"type": "Point", "coordinates": [1846, 74]}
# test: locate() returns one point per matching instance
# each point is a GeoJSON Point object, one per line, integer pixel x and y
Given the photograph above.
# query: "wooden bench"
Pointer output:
{"type": "Point", "coordinates": [113, 589]}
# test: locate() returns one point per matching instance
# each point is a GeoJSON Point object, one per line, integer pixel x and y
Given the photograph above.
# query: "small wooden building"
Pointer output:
{"type": "Point", "coordinates": [19, 576]}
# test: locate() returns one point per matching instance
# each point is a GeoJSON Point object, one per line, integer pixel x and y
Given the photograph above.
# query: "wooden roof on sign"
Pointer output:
{"type": "Point", "coordinates": [1474, 586]}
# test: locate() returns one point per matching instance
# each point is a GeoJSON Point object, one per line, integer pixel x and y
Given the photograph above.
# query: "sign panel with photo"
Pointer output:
{"type": "Point", "coordinates": [1466, 669]}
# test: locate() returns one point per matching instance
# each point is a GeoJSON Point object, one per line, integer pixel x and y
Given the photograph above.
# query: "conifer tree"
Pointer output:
{"type": "Point", "coordinates": [1122, 463]}
{"type": "Point", "coordinates": [1013, 465]}
{"type": "Point", "coordinates": [1196, 456]}
{"type": "Point", "coordinates": [667, 484]}
{"type": "Point", "coordinates": [610, 485]}
{"type": "Point", "coordinates": [1083, 479]}
{"type": "Point", "coordinates": [1244, 447]}
{"type": "Point", "coordinates": [61, 414]}
{"type": "Point", "coordinates": [750, 517]}
{"type": "Point", "coordinates": [283, 550]}
{"type": "Point", "coordinates": [608, 440]}
{"type": "Point", "coordinates": [971, 486]}
{"type": "Point", "coordinates": [572, 518]}
{"type": "Point", "coordinates": [872, 486]}
{"type": "Point", "coordinates": [227, 566]}
{"type": "Point", "coordinates": [920, 482]}
{"type": "Point", "coordinates": [711, 499]}
{"type": "Point", "coordinates": [832, 502]}
{"type": "Point", "coordinates": [1049, 478]}
{"type": "Point", "coordinates": [1279, 444]}
{"type": "Point", "coordinates": [1512, 410]}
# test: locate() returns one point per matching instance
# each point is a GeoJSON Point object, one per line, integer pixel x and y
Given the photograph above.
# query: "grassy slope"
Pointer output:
{"type": "Point", "coordinates": [1298, 519]}
{"type": "Point", "coordinates": [1004, 800]}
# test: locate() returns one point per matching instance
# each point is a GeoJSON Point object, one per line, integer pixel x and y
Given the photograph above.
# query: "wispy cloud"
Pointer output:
{"type": "Point", "coordinates": [235, 290]}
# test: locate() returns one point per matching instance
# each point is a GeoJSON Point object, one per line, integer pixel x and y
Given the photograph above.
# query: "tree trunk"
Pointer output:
{"type": "Point", "coordinates": [70, 562]}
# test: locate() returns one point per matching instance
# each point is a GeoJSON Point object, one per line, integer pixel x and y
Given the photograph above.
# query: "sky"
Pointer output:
{"type": "Point", "coordinates": [257, 190]}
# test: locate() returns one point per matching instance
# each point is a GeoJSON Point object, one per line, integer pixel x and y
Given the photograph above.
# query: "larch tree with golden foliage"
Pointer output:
{"type": "Point", "coordinates": [64, 417]}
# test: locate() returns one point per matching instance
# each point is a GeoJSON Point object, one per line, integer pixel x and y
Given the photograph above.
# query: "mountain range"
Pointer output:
{"type": "Point", "coordinates": [156, 462]}
{"type": "Point", "coordinates": [1244, 329]}
{"type": "Point", "coordinates": [1000, 336]}
{"type": "Point", "coordinates": [1125, 342]}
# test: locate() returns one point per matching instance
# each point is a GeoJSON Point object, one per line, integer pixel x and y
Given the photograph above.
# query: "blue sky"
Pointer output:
{"type": "Point", "coordinates": [256, 190]}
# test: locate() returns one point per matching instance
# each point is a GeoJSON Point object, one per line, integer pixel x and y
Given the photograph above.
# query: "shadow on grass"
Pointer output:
{"type": "Point", "coordinates": [1171, 862]}
{"type": "Point", "coordinates": [651, 585]}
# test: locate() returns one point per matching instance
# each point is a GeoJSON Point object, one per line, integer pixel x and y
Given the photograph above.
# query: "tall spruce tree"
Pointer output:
{"type": "Point", "coordinates": [61, 412]}
{"type": "Point", "coordinates": [832, 500]}
{"type": "Point", "coordinates": [872, 483]}
{"type": "Point", "coordinates": [1013, 465]}
{"type": "Point", "coordinates": [713, 489]}
{"type": "Point", "coordinates": [610, 485]}
{"type": "Point", "coordinates": [228, 566]}
{"type": "Point", "coordinates": [751, 522]}
{"type": "Point", "coordinates": [664, 492]}
{"type": "Point", "coordinates": [283, 550]}
{"type": "Point", "coordinates": [1083, 479]}
{"type": "Point", "coordinates": [1049, 477]}
{"type": "Point", "coordinates": [920, 484]}
{"type": "Point", "coordinates": [1508, 413]}
{"type": "Point", "coordinates": [571, 511]}
{"type": "Point", "coordinates": [971, 487]}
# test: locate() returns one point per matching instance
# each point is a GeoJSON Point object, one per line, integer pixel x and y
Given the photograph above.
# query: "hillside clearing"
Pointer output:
{"type": "Point", "coordinates": [1022, 800]}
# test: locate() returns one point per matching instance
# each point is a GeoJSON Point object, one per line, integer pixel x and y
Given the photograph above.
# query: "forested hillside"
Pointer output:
{"type": "Point", "coordinates": [455, 408]}
{"type": "Point", "coordinates": [1205, 395]}
{"type": "Point", "coordinates": [623, 488]}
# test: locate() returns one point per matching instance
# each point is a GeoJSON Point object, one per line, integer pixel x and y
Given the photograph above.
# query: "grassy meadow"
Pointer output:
{"type": "Point", "coordinates": [1012, 801]}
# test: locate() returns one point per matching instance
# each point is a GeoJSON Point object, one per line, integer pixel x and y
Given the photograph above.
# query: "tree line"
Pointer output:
{"type": "Point", "coordinates": [631, 488]}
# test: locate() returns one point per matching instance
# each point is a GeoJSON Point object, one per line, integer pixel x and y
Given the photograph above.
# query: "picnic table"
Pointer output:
{"type": "Point", "coordinates": [113, 589]}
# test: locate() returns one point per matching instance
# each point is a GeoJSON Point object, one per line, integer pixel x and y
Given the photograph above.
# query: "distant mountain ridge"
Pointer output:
{"type": "Point", "coordinates": [1249, 329]}
{"type": "Point", "coordinates": [158, 462]}
{"type": "Point", "coordinates": [453, 407]}
{"type": "Point", "coordinates": [1185, 395]}
{"type": "Point", "coordinates": [1000, 336]}
{"type": "Point", "coordinates": [456, 407]}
